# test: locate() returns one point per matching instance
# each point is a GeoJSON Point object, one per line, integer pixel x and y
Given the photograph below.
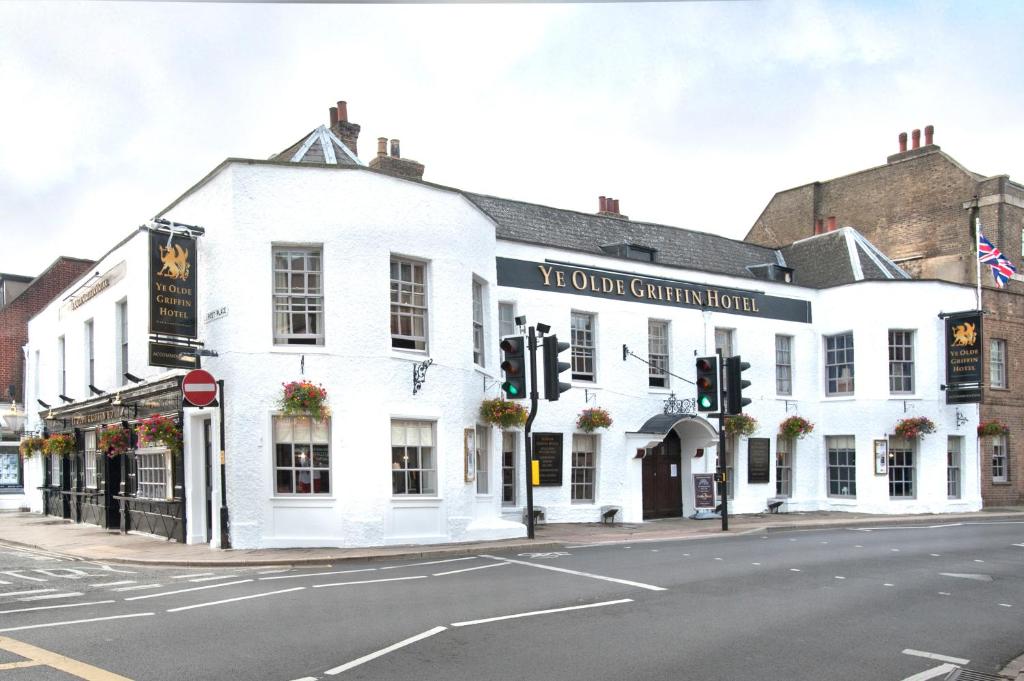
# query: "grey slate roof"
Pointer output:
{"type": "Point", "coordinates": [319, 146]}
{"type": "Point", "coordinates": [838, 257]}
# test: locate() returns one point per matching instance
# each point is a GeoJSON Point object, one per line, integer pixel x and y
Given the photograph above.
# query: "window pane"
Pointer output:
{"type": "Point", "coordinates": [284, 482]}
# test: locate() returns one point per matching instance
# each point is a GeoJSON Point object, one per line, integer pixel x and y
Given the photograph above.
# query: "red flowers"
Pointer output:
{"type": "Point", "coordinates": [160, 429]}
{"type": "Point", "coordinates": [114, 441]}
{"type": "Point", "coordinates": [590, 420]}
{"type": "Point", "coordinates": [915, 427]}
{"type": "Point", "coordinates": [302, 398]}
{"type": "Point", "coordinates": [503, 413]}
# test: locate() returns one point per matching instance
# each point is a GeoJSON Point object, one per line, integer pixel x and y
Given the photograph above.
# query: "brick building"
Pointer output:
{"type": "Point", "coordinates": [919, 208]}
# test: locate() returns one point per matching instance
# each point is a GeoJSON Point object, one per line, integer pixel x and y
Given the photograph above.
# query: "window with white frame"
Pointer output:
{"type": "Point", "coordinates": [783, 365]}
{"type": "Point", "coordinates": [302, 455]}
{"type": "Point", "coordinates": [408, 304]}
{"type": "Point", "coordinates": [11, 473]}
{"type": "Point", "coordinates": [842, 466]}
{"type": "Point", "coordinates": [506, 319]}
{"type": "Point", "coordinates": [839, 364]}
{"type": "Point", "coordinates": [584, 457]}
{"type": "Point", "coordinates": [583, 349]}
{"type": "Point", "coordinates": [483, 459]}
{"type": "Point", "coordinates": [724, 342]}
{"type": "Point", "coordinates": [122, 342]}
{"type": "Point", "coordinates": [783, 467]}
{"type": "Point", "coordinates": [954, 455]}
{"type": "Point", "coordinates": [55, 470]}
{"type": "Point", "coordinates": [901, 361]}
{"type": "Point", "coordinates": [1000, 461]}
{"type": "Point", "coordinates": [997, 363]}
{"type": "Point", "coordinates": [478, 323]}
{"type": "Point", "coordinates": [298, 295]}
{"type": "Point", "coordinates": [901, 468]}
{"type": "Point", "coordinates": [90, 357]}
{"type": "Point", "coordinates": [508, 469]}
{"type": "Point", "coordinates": [657, 352]}
{"type": "Point", "coordinates": [154, 473]}
{"type": "Point", "coordinates": [90, 459]}
{"type": "Point", "coordinates": [62, 374]}
{"type": "Point", "coordinates": [413, 459]}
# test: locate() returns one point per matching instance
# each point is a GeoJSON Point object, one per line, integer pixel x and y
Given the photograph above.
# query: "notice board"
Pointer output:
{"type": "Point", "coordinates": [547, 452]}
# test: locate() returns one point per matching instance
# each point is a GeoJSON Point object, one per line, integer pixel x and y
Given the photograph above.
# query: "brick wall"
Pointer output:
{"type": "Point", "coordinates": [14, 319]}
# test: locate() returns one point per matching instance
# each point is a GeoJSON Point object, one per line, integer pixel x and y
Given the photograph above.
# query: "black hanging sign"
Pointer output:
{"type": "Point", "coordinates": [547, 452]}
{"type": "Point", "coordinates": [172, 285]}
{"type": "Point", "coordinates": [964, 357]}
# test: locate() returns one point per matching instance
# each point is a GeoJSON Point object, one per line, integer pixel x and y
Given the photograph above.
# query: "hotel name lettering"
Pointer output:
{"type": "Point", "coordinates": [586, 281]}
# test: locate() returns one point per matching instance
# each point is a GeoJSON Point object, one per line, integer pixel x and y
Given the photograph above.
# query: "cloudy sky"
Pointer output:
{"type": "Point", "coordinates": [691, 114]}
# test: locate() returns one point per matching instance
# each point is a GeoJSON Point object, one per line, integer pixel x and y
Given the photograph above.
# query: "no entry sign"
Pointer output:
{"type": "Point", "coordinates": [199, 388]}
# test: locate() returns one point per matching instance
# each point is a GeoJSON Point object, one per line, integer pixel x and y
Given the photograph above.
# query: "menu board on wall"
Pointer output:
{"type": "Point", "coordinates": [547, 452]}
{"type": "Point", "coordinates": [758, 459]}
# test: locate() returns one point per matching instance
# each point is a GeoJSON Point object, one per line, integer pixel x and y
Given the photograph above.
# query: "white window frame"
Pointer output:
{"type": "Point", "coordinates": [479, 356]}
{"type": "Point", "coordinates": [121, 314]}
{"type": "Point", "coordinates": [784, 466]}
{"type": "Point", "coordinates": [410, 303]}
{"type": "Point", "coordinates": [583, 476]}
{"type": "Point", "coordinates": [506, 319]}
{"type": "Point", "coordinates": [997, 364]}
{"type": "Point", "coordinates": [302, 436]}
{"type": "Point", "coordinates": [838, 358]}
{"type": "Point", "coordinates": [55, 470]}
{"type": "Point", "coordinates": [11, 465]}
{"type": "Point", "coordinates": [62, 372]}
{"type": "Point", "coordinates": [902, 467]}
{"type": "Point", "coordinates": [583, 326]}
{"type": "Point", "coordinates": [1000, 459]}
{"type": "Point", "coordinates": [509, 468]}
{"type": "Point", "coordinates": [89, 438]}
{"type": "Point", "coordinates": [841, 469]}
{"type": "Point", "coordinates": [783, 364]}
{"type": "Point", "coordinates": [304, 302]}
{"type": "Point", "coordinates": [901, 361]}
{"type": "Point", "coordinates": [89, 333]}
{"type": "Point", "coordinates": [658, 349]}
{"type": "Point", "coordinates": [725, 339]}
{"type": "Point", "coordinates": [409, 434]}
{"type": "Point", "coordinates": [954, 462]}
{"type": "Point", "coordinates": [483, 460]}
{"type": "Point", "coordinates": [153, 473]}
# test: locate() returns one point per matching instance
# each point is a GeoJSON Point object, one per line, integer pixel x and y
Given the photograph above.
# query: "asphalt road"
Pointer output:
{"type": "Point", "coordinates": [906, 602]}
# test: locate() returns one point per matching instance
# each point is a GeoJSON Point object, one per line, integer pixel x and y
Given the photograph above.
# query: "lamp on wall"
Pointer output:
{"type": "Point", "coordinates": [66, 399]}
{"type": "Point", "coordinates": [95, 390]}
{"type": "Point", "coordinates": [42, 404]}
{"type": "Point", "coordinates": [132, 377]}
{"type": "Point", "coordinates": [14, 419]}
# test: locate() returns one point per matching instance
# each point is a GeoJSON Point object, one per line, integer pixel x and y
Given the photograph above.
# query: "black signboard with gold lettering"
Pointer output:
{"type": "Point", "coordinates": [172, 285]}
{"type": "Point", "coordinates": [547, 452]}
{"type": "Point", "coordinates": [758, 460]}
{"type": "Point", "coordinates": [587, 281]}
{"type": "Point", "coordinates": [964, 357]}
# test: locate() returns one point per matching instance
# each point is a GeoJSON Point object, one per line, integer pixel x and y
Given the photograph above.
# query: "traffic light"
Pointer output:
{"type": "Point", "coordinates": [514, 366]}
{"type": "Point", "coordinates": [735, 401]}
{"type": "Point", "coordinates": [552, 367]}
{"type": "Point", "coordinates": [707, 383]}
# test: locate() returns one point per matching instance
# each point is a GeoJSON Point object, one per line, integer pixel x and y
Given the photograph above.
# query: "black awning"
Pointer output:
{"type": "Point", "coordinates": [662, 423]}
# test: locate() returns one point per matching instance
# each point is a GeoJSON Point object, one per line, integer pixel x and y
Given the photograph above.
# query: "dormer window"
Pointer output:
{"type": "Point", "coordinates": [630, 251]}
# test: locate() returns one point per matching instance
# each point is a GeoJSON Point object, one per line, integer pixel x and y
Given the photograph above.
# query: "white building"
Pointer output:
{"type": "Point", "coordinates": [315, 267]}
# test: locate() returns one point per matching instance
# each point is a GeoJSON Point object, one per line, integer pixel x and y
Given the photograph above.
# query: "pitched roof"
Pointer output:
{"type": "Point", "coordinates": [319, 146]}
{"type": "Point", "coordinates": [838, 257]}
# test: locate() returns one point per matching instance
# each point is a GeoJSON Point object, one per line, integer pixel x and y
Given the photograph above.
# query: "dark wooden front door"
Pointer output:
{"type": "Point", "coordinates": [663, 491]}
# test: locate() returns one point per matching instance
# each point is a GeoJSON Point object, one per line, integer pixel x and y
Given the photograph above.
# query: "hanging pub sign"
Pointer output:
{"type": "Point", "coordinates": [963, 357]}
{"type": "Point", "coordinates": [172, 285]}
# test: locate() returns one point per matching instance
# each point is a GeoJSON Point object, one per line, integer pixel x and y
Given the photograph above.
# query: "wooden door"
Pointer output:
{"type": "Point", "coordinates": [662, 480]}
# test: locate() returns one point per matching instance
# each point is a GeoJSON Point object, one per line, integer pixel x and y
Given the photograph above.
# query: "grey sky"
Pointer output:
{"type": "Point", "coordinates": [691, 114]}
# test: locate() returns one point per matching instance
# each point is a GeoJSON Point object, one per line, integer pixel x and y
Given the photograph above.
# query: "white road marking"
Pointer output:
{"type": "Point", "coordinates": [181, 591]}
{"type": "Point", "coordinates": [978, 560]}
{"type": "Point", "coordinates": [123, 581]}
{"type": "Point", "coordinates": [384, 651]}
{"type": "Point", "coordinates": [794, 569]}
{"type": "Point", "coordinates": [211, 579]}
{"type": "Point", "coordinates": [54, 607]}
{"type": "Point", "coordinates": [887, 584]}
{"type": "Point", "coordinates": [61, 624]}
{"type": "Point", "coordinates": [932, 673]}
{"type": "Point", "coordinates": [1006, 605]}
{"type": "Point", "coordinates": [306, 678]}
{"type": "Point", "coordinates": [548, 554]}
{"type": "Point", "coordinates": [840, 577]}
{"type": "Point", "coordinates": [895, 550]}
{"type": "Point", "coordinates": [935, 656]}
{"type": "Point", "coordinates": [25, 593]}
{"type": "Point", "coordinates": [195, 574]}
{"type": "Point", "coordinates": [1020, 545]}
{"type": "Point", "coordinates": [755, 563]}
{"type": "Point", "coordinates": [55, 572]}
{"type": "Point", "coordinates": [718, 559]}
{"type": "Point", "coordinates": [3, 582]}
{"type": "Point", "coordinates": [14, 573]}
{"type": "Point", "coordinates": [320, 574]}
{"type": "Point", "coordinates": [975, 577]}
{"type": "Point", "coordinates": [944, 593]}
{"type": "Point", "coordinates": [275, 572]}
{"type": "Point", "coordinates": [430, 562]}
{"type": "Point", "coordinates": [858, 546]}
{"type": "Point", "coordinates": [627, 582]}
{"type": "Point", "coordinates": [44, 597]}
{"type": "Point", "coordinates": [935, 555]}
{"type": "Point", "coordinates": [240, 598]}
{"type": "Point", "coordinates": [139, 587]}
{"type": "Point", "coordinates": [370, 581]}
{"type": "Point", "coordinates": [541, 612]}
{"type": "Point", "coordinates": [478, 567]}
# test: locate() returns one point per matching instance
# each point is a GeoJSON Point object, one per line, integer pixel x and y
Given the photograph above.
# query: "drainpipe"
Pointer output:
{"type": "Point", "coordinates": [225, 542]}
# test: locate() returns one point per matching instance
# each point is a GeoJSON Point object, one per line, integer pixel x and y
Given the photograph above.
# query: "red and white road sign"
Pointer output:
{"type": "Point", "coordinates": [199, 388]}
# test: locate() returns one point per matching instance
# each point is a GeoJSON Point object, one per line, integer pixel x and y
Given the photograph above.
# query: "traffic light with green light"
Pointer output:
{"type": "Point", "coordinates": [514, 365]}
{"type": "Point", "coordinates": [708, 391]}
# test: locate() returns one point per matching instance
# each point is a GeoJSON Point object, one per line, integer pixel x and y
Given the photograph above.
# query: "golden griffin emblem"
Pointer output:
{"type": "Point", "coordinates": [175, 260]}
{"type": "Point", "coordinates": [964, 335]}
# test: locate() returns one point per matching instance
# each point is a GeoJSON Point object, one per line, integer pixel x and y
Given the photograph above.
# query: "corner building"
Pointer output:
{"type": "Point", "coordinates": [393, 294]}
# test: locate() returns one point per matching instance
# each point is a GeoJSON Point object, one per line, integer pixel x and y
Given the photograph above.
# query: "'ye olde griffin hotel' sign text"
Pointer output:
{"type": "Point", "coordinates": [585, 281]}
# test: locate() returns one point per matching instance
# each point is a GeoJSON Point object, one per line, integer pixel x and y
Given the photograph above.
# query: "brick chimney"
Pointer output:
{"type": "Point", "coordinates": [929, 135]}
{"type": "Point", "coordinates": [395, 164]}
{"type": "Point", "coordinates": [609, 207]}
{"type": "Point", "coordinates": [916, 137]}
{"type": "Point", "coordinates": [916, 148]}
{"type": "Point", "coordinates": [832, 223]}
{"type": "Point", "coordinates": [346, 132]}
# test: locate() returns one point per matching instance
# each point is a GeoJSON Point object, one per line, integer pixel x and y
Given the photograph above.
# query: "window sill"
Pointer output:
{"type": "Point", "coordinates": [416, 502]}
{"type": "Point", "coordinates": [999, 389]}
{"type": "Point", "coordinates": [840, 398]}
{"type": "Point", "coordinates": [896, 397]}
{"type": "Point", "coordinates": [409, 355]}
{"type": "Point", "coordinates": [843, 501]}
{"type": "Point", "coordinates": [902, 498]}
{"type": "Point", "coordinates": [303, 500]}
{"type": "Point", "coordinates": [298, 350]}
{"type": "Point", "coordinates": [1001, 483]}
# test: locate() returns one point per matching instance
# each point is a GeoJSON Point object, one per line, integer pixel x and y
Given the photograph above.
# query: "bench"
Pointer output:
{"type": "Point", "coordinates": [608, 514]}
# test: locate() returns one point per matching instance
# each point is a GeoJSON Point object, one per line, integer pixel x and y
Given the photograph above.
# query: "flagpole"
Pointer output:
{"type": "Point", "coordinates": [977, 256]}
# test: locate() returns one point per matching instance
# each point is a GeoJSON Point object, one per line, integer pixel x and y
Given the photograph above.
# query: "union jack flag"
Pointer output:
{"type": "Point", "coordinates": [1002, 269]}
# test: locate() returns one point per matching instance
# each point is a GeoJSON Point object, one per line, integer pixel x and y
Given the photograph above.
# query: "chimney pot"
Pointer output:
{"type": "Point", "coordinates": [343, 112]}
{"type": "Point", "coordinates": [916, 137]}
{"type": "Point", "coordinates": [602, 204]}
{"type": "Point", "coordinates": [395, 150]}
{"type": "Point", "coordinates": [382, 146]}
{"type": "Point", "coordinates": [929, 134]}
{"type": "Point", "coordinates": [615, 206]}
{"type": "Point", "coordinates": [832, 223]}
{"type": "Point", "coordinates": [333, 116]}
{"type": "Point", "coordinates": [819, 226]}
{"type": "Point", "coordinates": [903, 142]}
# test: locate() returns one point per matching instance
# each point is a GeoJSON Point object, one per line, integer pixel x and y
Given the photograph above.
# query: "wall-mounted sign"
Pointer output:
{"type": "Point", "coordinates": [587, 281]}
{"type": "Point", "coordinates": [881, 449]}
{"type": "Point", "coordinates": [469, 454]}
{"type": "Point", "coordinates": [172, 285]}
{"type": "Point", "coordinates": [93, 288]}
{"type": "Point", "coordinates": [214, 315]}
{"type": "Point", "coordinates": [703, 490]}
{"type": "Point", "coordinates": [170, 355]}
{"type": "Point", "coordinates": [547, 455]}
{"type": "Point", "coordinates": [758, 460]}
{"type": "Point", "coordinates": [964, 357]}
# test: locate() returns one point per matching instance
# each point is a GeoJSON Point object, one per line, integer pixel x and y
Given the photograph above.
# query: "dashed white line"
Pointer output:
{"type": "Point", "coordinates": [370, 581]}
{"type": "Point", "coordinates": [320, 574]}
{"type": "Point", "coordinates": [541, 612]}
{"type": "Point", "coordinates": [478, 567]}
{"type": "Point", "coordinates": [616, 580]}
{"type": "Point", "coordinates": [384, 651]}
{"type": "Point", "coordinates": [14, 573]}
{"type": "Point", "coordinates": [53, 607]}
{"type": "Point", "coordinates": [195, 574]}
{"type": "Point", "coordinates": [755, 563]}
{"type": "Point", "coordinates": [62, 624]}
{"type": "Point", "coordinates": [274, 572]}
{"type": "Point", "coordinates": [25, 593]}
{"type": "Point", "coordinates": [978, 560]}
{"type": "Point", "coordinates": [121, 583]}
{"type": "Point", "coordinates": [211, 579]}
{"type": "Point", "coordinates": [430, 562]}
{"type": "Point", "coordinates": [49, 596]}
{"type": "Point", "coordinates": [1005, 605]}
{"type": "Point", "coordinates": [718, 559]}
{"type": "Point", "coordinates": [140, 587]}
{"type": "Point", "coordinates": [895, 550]}
{"type": "Point", "coordinates": [935, 555]}
{"type": "Point", "coordinates": [840, 577]}
{"type": "Point", "coordinates": [944, 593]}
{"type": "Point", "coordinates": [887, 584]}
{"type": "Point", "coordinates": [935, 656]}
{"type": "Point", "coordinates": [181, 591]}
{"type": "Point", "coordinates": [794, 569]}
{"type": "Point", "coordinates": [232, 600]}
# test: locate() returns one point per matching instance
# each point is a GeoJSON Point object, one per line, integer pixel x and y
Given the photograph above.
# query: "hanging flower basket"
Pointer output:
{"type": "Point", "coordinates": [918, 426]}
{"type": "Point", "coordinates": [302, 398]}
{"type": "Point", "coordinates": [992, 428]}
{"type": "Point", "coordinates": [162, 430]}
{"type": "Point", "coordinates": [30, 445]}
{"type": "Point", "coordinates": [503, 413]}
{"type": "Point", "coordinates": [114, 441]}
{"type": "Point", "coordinates": [795, 427]}
{"type": "Point", "coordinates": [61, 444]}
{"type": "Point", "coordinates": [740, 424]}
{"type": "Point", "coordinates": [590, 420]}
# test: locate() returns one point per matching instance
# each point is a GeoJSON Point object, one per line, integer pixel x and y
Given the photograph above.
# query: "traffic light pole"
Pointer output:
{"type": "Point", "coordinates": [532, 346]}
{"type": "Point", "coordinates": [723, 470]}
